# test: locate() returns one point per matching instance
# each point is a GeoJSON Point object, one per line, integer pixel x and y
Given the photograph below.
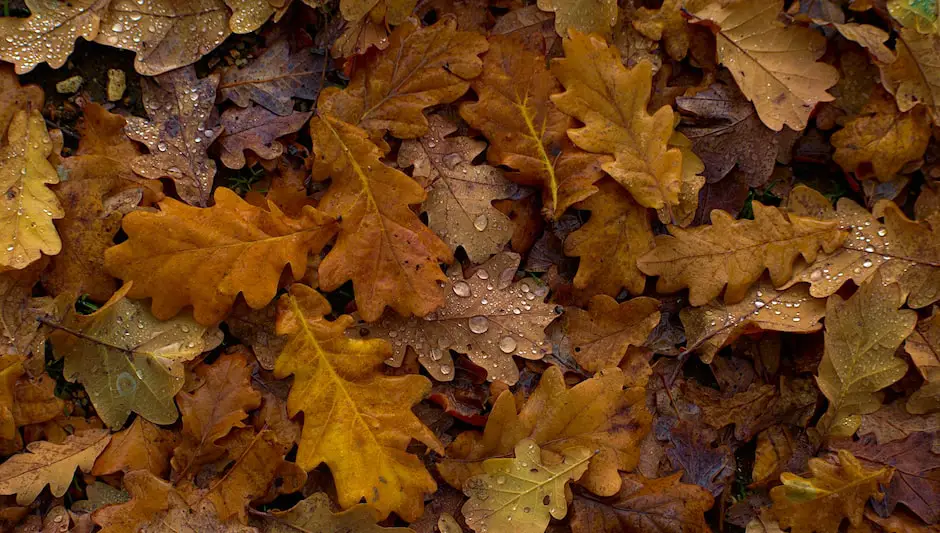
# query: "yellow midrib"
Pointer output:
{"type": "Point", "coordinates": [536, 137]}
{"type": "Point", "coordinates": [536, 485]}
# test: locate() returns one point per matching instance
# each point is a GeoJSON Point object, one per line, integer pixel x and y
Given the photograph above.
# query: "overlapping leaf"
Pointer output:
{"type": "Point", "coordinates": [923, 345]}
{"type": "Point", "coordinates": [601, 335]}
{"type": "Point", "coordinates": [49, 33]}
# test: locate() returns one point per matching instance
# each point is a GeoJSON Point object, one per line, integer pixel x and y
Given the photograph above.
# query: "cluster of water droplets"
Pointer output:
{"type": "Point", "coordinates": [195, 27]}
{"type": "Point", "coordinates": [47, 36]}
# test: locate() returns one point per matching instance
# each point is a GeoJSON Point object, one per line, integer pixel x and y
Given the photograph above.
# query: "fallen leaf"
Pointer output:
{"type": "Point", "coordinates": [892, 422]}
{"type": "Point", "coordinates": [691, 182]}
{"type": "Point", "coordinates": [391, 257]}
{"type": "Point", "coordinates": [774, 65]}
{"type": "Point", "coordinates": [923, 345]}
{"type": "Point", "coordinates": [833, 493]}
{"type": "Point", "coordinates": [460, 194]}
{"type": "Point", "coordinates": [663, 505]}
{"type": "Point", "coordinates": [183, 123]}
{"type": "Point", "coordinates": [596, 413]}
{"type": "Point", "coordinates": [142, 446]}
{"type": "Point", "coordinates": [524, 481]}
{"type": "Point", "coordinates": [20, 331]}
{"type": "Point", "coordinates": [49, 33]}
{"type": "Point", "coordinates": [666, 24]}
{"type": "Point", "coordinates": [862, 334]}
{"type": "Point", "coordinates": [27, 203]}
{"type": "Point", "coordinates": [44, 463]}
{"type": "Point", "coordinates": [913, 78]}
{"type": "Point", "coordinates": [611, 101]}
{"type": "Point", "coordinates": [709, 467]}
{"type": "Point", "coordinates": [916, 245]}
{"type": "Point", "coordinates": [736, 252]}
{"type": "Point", "coordinates": [256, 129]}
{"type": "Point", "coordinates": [601, 335]}
{"type": "Point", "coordinates": [11, 368]}
{"type": "Point", "coordinates": [485, 316]}
{"type": "Point", "coordinates": [255, 328]}
{"type": "Point", "coordinates": [274, 79]}
{"type": "Point", "coordinates": [15, 97]}
{"type": "Point", "coordinates": [35, 401]}
{"type": "Point", "coordinates": [780, 448]}
{"type": "Point", "coordinates": [223, 250]}
{"type": "Point", "coordinates": [314, 514]}
{"type": "Point", "coordinates": [921, 16]}
{"type": "Point", "coordinates": [356, 420]}
{"type": "Point", "coordinates": [870, 37]}
{"type": "Point", "coordinates": [584, 16]}
{"type": "Point", "coordinates": [248, 15]}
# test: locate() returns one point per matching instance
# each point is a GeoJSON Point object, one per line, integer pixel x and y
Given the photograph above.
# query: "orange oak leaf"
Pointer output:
{"type": "Point", "coordinates": [142, 446]}
{"type": "Point", "coordinates": [601, 335]}
{"type": "Point", "coordinates": [923, 345]}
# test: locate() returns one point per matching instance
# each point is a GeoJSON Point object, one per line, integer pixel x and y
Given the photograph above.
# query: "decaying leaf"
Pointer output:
{"type": "Point", "coordinates": [45, 463]}
{"type": "Point", "coordinates": [128, 360]}
{"type": "Point", "coordinates": [663, 505]}
{"type": "Point", "coordinates": [27, 205]}
{"type": "Point", "coordinates": [601, 335]}
{"type": "Point", "coordinates": [736, 252]}
{"type": "Point", "coordinates": [862, 334]}
{"type": "Point", "coordinates": [460, 194]}
{"type": "Point", "coordinates": [49, 33]}
{"type": "Point", "coordinates": [142, 446]}
{"type": "Point", "coordinates": [775, 66]}
{"type": "Point", "coordinates": [710, 467]}
{"type": "Point", "coordinates": [522, 492]}
{"type": "Point", "coordinates": [597, 414]}
{"type": "Point", "coordinates": [485, 316]}
{"type": "Point", "coordinates": [923, 345]}
{"type": "Point", "coordinates": [914, 78]}
{"type": "Point", "coordinates": [227, 249]}
{"type": "Point", "coordinates": [585, 16]}
{"type": "Point", "coordinates": [314, 514]}
{"type": "Point", "coordinates": [833, 493]}
{"type": "Point", "coordinates": [256, 129]}
{"type": "Point", "coordinates": [356, 420]}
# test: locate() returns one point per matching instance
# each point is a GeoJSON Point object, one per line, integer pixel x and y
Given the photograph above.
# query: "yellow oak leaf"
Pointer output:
{"type": "Point", "coordinates": [585, 16]}
{"type": "Point", "coordinates": [611, 100]}
{"type": "Point", "coordinates": [11, 368]}
{"type": "Point", "coordinates": [27, 205]}
{"type": "Point", "coordinates": [736, 252]}
{"type": "Point", "coordinates": [835, 492]}
{"type": "Point", "coordinates": [205, 257]}
{"type": "Point", "coordinates": [862, 334]}
{"type": "Point", "coordinates": [391, 257]}
{"type": "Point", "coordinates": [692, 180]}
{"type": "Point", "coordinates": [914, 77]}
{"type": "Point", "coordinates": [49, 33]}
{"type": "Point", "coordinates": [522, 493]}
{"type": "Point", "coordinates": [422, 67]}
{"type": "Point", "coordinates": [15, 97]}
{"type": "Point", "coordinates": [356, 420]}
{"type": "Point", "coordinates": [20, 331]}
{"type": "Point", "coordinates": [601, 335]}
{"type": "Point", "coordinates": [923, 345]}
{"type": "Point", "coordinates": [313, 514]}
{"type": "Point", "coordinates": [44, 463]}
{"type": "Point", "coordinates": [597, 414]}
{"type": "Point", "coordinates": [526, 131]}
{"type": "Point", "coordinates": [666, 24]}
{"type": "Point", "coordinates": [774, 65]}
{"type": "Point", "coordinates": [128, 360]}
{"type": "Point", "coordinates": [916, 246]}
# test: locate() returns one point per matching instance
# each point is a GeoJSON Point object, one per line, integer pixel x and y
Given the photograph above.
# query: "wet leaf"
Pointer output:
{"type": "Point", "coordinates": [601, 335]}
{"type": "Point", "coordinates": [917, 246]}
{"type": "Point", "coordinates": [581, 15]}
{"type": "Point", "coordinates": [666, 24]}
{"type": "Point", "coordinates": [923, 345]}
{"type": "Point", "coordinates": [15, 97]}
{"type": "Point", "coordinates": [256, 129]}
{"type": "Point", "coordinates": [913, 78]}
{"type": "Point", "coordinates": [49, 33]}
{"type": "Point", "coordinates": [314, 514]}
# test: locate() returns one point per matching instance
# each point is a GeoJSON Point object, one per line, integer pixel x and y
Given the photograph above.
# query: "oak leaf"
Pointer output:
{"type": "Point", "coordinates": [601, 335]}
{"type": "Point", "coordinates": [916, 245]}
{"type": "Point", "coordinates": [391, 257]}
{"type": "Point", "coordinates": [27, 203]}
{"type": "Point", "coordinates": [691, 181]}
{"type": "Point", "coordinates": [523, 481]}
{"type": "Point", "coordinates": [485, 316]}
{"type": "Point", "coordinates": [702, 463]}
{"type": "Point", "coordinates": [460, 194]}
{"type": "Point", "coordinates": [834, 492]}
{"type": "Point", "coordinates": [274, 78]}
{"type": "Point", "coordinates": [183, 123]}
{"type": "Point", "coordinates": [923, 345]}
{"type": "Point", "coordinates": [610, 243]}
{"type": "Point", "coordinates": [913, 78]}
{"type": "Point", "coordinates": [227, 249]}
{"type": "Point", "coordinates": [128, 360]}
{"type": "Point", "coordinates": [49, 33]}
{"type": "Point", "coordinates": [611, 101]}
{"type": "Point", "coordinates": [15, 97]}
{"type": "Point", "coordinates": [597, 413]}
{"type": "Point", "coordinates": [210, 412]}
{"type": "Point", "coordinates": [662, 505]}
{"type": "Point", "coordinates": [781, 448]}
{"type": "Point", "coordinates": [11, 368]}
{"type": "Point", "coordinates": [870, 37]}
{"type": "Point", "coordinates": [314, 514]}
{"type": "Point", "coordinates": [862, 334]}
{"type": "Point", "coordinates": [422, 67]}
{"type": "Point", "coordinates": [892, 422]}
{"type": "Point", "coordinates": [256, 129]}
{"type": "Point", "coordinates": [526, 131]}
{"type": "Point", "coordinates": [736, 252]}
{"type": "Point", "coordinates": [45, 463]}
{"type": "Point", "coordinates": [921, 16]}
{"type": "Point", "coordinates": [142, 446]}
{"type": "Point", "coordinates": [255, 328]}
{"type": "Point", "coordinates": [585, 16]}
{"type": "Point", "coordinates": [774, 65]}
{"type": "Point", "coordinates": [356, 420]}
{"type": "Point", "coordinates": [165, 34]}
{"type": "Point", "coordinates": [666, 24]}
{"type": "Point", "coordinates": [35, 402]}
{"type": "Point", "coordinates": [248, 15]}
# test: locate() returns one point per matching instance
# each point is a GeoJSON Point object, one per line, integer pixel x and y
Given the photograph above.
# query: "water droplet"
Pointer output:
{"type": "Point", "coordinates": [500, 480]}
{"type": "Point", "coordinates": [445, 370]}
{"type": "Point", "coordinates": [480, 223]}
{"type": "Point", "coordinates": [208, 133]}
{"type": "Point", "coordinates": [161, 147]}
{"type": "Point", "coordinates": [869, 249]}
{"type": "Point", "coordinates": [816, 275]}
{"type": "Point", "coordinates": [796, 319]}
{"type": "Point", "coordinates": [516, 311]}
{"type": "Point", "coordinates": [507, 344]}
{"type": "Point", "coordinates": [758, 304]}
{"type": "Point", "coordinates": [117, 28]}
{"type": "Point", "coordinates": [479, 324]}
{"type": "Point", "coordinates": [462, 289]}
{"type": "Point", "coordinates": [436, 354]}
{"type": "Point", "coordinates": [867, 263]}
{"type": "Point", "coordinates": [483, 274]}
{"type": "Point", "coordinates": [882, 232]}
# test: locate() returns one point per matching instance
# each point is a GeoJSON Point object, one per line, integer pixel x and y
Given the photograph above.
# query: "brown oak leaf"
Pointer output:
{"type": "Point", "coordinates": [601, 335]}
{"type": "Point", "coordinates": [256, 129]}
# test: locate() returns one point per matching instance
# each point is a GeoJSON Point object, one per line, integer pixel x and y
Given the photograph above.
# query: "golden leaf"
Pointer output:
{"type": "Point", "coordinates": [15, 97]}
{"type": "Point", "coordinates": [391, 257]}
{"type": "Point", "coordinates": [692, 180]}
{"type": "Point", "coordinates": [916, 245]}
{"type": "Point", "coordinates": [611, 101]}
{"type": "Point", "coordinates": [356, 420]}
{"type": "Point", "coordinates": [914, 78]}
{"type": "Point", "coordinates": [142, 446]}
{"type": "Point", "coordinates": [223, 250]}
{"type": "Point", "coordinates": [918, 15]}
{"type": "Point", "coordinates": [585, 16]}
{"type": "Point", "coordinates": [128, 360]}
{"type": "Point", "coordinates": [601, 335]}
{"type": "Point", "coordinates": [49, 33]}
{"type": "Point", "coordinates": [11, 368]}
{"type": "Point", "coordinates": [249, 15]}
{"type": "Point", "coordinates": [165, 34]}
{"type": "Point", "coordinates": [522, 493]}
{"type": "Point", "coordinates": [862, 335]}
{"type": "Point", "coordinates": [596, 413]}
{"type": "Point", "coordinates": [27, 204]}
{"type": "Point", "coordinates": [35, 401]}
{"type": "Point", "coordinates": [666, 24]}
{"type": "Point", "coordinates": [833, 493]}
{"type": "Point", "coordinates": [460, 194]}
{"type": "Point", "coordinates": [422, 67]}
{"type": "Point", "coordinates": [774, 65]}
{"type": "Point", "coordinates": [526, 131]}
{"type": "Point", "coordinates": [44, 463]}
{"type": "Point", "coordinates": [313, 514]}
{"type": "Point", "coordinates": [870, 37]}
{"type": "Point", "coordinates": [485, 316]}
{"type": "Point", "coordinates": [610, 243]}
{"type": "Point", "coordinates": [923, 345]}
{"type": "Point", "coordinates": [736, 252]}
